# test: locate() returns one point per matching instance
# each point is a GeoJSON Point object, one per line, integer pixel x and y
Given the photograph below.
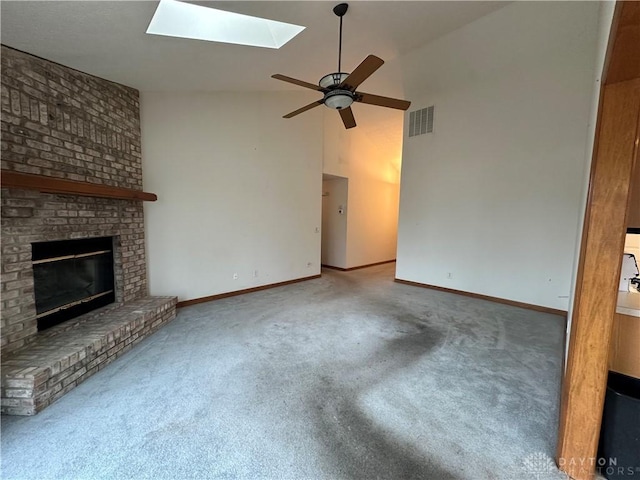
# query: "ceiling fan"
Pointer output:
{"type": "Point", "coordinates": [339, 88]}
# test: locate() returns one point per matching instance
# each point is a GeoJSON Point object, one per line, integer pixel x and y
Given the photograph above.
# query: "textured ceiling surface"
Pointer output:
{"type": "Point", "coordinates": [108, 39]}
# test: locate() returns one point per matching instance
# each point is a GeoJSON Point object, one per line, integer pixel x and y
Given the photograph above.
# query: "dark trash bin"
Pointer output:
{"type": "Point", "coordinates": [619, 448]}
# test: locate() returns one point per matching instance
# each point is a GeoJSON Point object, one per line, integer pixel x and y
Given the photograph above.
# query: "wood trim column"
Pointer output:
{"type": "Point", "coordinates": [596, 290]}
{"type": "Point", "coordinates": [605, 223]}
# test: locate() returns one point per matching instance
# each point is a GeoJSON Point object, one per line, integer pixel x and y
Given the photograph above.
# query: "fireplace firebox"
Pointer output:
{"type": "Point", "coordinates": [71, 277]}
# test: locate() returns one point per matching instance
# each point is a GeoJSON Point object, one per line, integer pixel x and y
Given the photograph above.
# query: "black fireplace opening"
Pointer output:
{"type": "Point", "coordinates": [71, 277]}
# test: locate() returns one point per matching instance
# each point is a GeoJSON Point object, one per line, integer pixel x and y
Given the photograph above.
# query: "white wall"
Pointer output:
{"type": "Point", "coordinates": [239, 191]}
{"type": "Point", "coordinates": [334, 224]}
{"type": "Point", "coordinates": [493, 196]}
{"type": "Point", "coordinates": [369, 156]}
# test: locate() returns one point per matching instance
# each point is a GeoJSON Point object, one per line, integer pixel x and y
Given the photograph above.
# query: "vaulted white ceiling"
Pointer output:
{"type": "Point", "coordinates": [108, 39]}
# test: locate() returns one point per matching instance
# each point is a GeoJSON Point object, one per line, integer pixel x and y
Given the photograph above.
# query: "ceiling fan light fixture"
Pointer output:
{"type": "Point", "coordinates": [338, 99]}
{"type": "Point", "coordinates": [333, 79]}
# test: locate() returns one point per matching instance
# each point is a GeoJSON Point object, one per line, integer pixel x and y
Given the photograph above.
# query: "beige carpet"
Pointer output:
{"type": "Point", "coordinates": [347, 376]}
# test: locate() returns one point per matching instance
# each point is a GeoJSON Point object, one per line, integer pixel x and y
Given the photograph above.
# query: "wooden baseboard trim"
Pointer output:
{"type": "Point", "coordinates": [357, 268]}
{"type": "Point", "coordinates": [513, 303]}
{"type": "Point", "coordinates": [195, 301]}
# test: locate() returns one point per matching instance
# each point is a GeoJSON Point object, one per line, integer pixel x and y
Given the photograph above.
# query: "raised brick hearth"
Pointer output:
{"type": "Point", "coordinates": [63, 357]}
{"type": "Point", "coordinates": [61, 123]}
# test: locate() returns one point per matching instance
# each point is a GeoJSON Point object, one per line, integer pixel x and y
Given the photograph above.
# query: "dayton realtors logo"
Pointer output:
{"type": "Point", "coordinates": [606, 467]}
{"type": "Point", "coordinates": [540, 466]}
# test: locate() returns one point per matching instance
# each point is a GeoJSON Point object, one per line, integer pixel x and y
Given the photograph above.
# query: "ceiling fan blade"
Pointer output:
{"type": "Point", "coordinates": [303, 109]}
{"type": "Point", "coordinates": [347, 117]}
{"type": "Point", "coordinates": [382, 101]}
{"type": "Point", "coordinates": [362, 72]}
{"type": "Point", "coordinates": [300, 83]}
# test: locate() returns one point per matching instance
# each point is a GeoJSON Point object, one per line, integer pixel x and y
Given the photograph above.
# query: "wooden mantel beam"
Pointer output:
{"type": "Point", "coordinates": [44, 184]}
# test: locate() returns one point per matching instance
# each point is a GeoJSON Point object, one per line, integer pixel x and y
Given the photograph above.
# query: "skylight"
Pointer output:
{"type": "Point", "coordinates": [185, 20]}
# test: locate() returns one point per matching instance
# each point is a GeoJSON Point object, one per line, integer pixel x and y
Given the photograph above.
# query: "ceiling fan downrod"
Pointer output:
{"type": "Point", "coordinates": [340, 10]}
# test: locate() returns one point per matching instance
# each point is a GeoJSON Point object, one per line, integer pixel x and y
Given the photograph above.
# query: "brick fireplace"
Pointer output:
{"type": "Point", "coordinates": [63, 124]}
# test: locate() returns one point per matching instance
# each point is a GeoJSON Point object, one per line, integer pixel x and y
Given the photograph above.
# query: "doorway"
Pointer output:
{"type": "Point", "coordinates": [335, 192]}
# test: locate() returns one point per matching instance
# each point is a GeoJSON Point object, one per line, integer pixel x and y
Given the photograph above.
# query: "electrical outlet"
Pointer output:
{"type": "Point", "coordinates": [235, 276]}
{"type": "Point", "coordinates": [255, 274]}
{"type": "Point", "coordinates": [449, 275]}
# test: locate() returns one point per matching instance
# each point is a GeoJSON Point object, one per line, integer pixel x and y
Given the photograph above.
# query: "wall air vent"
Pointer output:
{"type": "Point", "coordinates": [421, 121]}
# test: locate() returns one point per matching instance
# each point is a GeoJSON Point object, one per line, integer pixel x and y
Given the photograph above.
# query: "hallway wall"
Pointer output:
{"type": "Point", "coordinates": [369, 156]}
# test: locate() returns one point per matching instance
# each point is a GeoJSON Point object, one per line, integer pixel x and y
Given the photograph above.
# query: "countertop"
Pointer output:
{"type": "Point", "coordinates": [629, 304]}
